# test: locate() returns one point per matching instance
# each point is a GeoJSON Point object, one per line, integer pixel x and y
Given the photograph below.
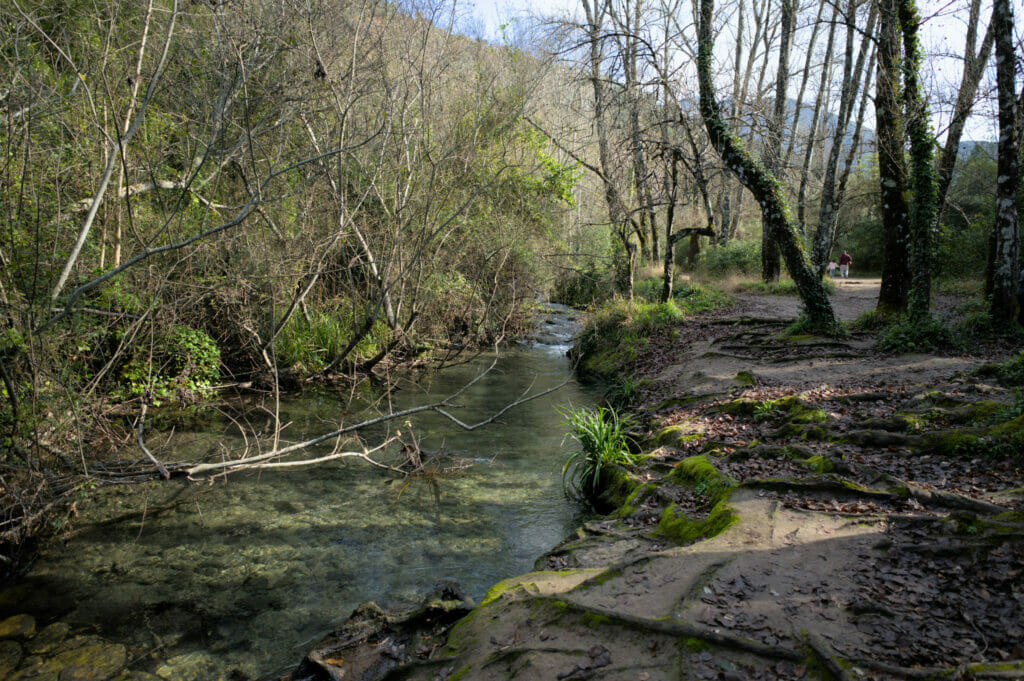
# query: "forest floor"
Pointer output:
{"type": "Point", "coordinates": [810, 509]}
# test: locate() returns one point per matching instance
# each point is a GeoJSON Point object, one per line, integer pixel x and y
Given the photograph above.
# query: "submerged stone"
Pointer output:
{"type": "Point", "coordinates": [10, 656]}
{"type": "Point", "coordinates": [18, 626]}
{"type": "Point", "coordinates": [49, 638]}
{"type": "Point", "coordinates": [93, 662]}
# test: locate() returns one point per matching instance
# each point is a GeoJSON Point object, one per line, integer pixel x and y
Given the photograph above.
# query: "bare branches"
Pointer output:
{"type": "Point", "coordinates": [441, 407]}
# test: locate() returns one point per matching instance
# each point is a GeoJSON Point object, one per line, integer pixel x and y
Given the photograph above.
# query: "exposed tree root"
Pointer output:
{"type": "Point", "coordinates": [679, 628]}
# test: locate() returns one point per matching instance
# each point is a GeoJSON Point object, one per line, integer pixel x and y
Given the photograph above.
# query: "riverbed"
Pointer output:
{"type": "Point", "coordinates": [237, 577]}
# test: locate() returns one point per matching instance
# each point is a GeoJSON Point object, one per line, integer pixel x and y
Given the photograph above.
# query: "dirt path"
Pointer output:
{"type": "Point", "coordinates": [853, 297]}
{"type": "Point", "coordinates": [810, 509]}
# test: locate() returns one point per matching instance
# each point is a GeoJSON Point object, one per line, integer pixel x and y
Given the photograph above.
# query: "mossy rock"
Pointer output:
{"type": "Point", "coordinates": [1012, 427]}
{"type": "Point", "coordinates": [614, 487]}
{"type": "Point", "coordinates": [808, 431]}
{"type": "Point", "coordinates": [679, 434]}
{"type": "Point", "coordinates": [952, 443]}
{"type": "Point", "coordinates": [745, 379]}
{"type": "Point", "coordinates": [639, 496]}
{"type": "Point", "coordinates": [818, 464]}
{"type": "Point", "coordinates": [693, 470]}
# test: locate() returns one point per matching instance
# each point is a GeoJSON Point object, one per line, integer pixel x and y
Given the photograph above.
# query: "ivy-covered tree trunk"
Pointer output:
{"type": "Point", "coordinates": [892, 169]}
{"type": "Point", "coordinates": [922, 171]}
{"type": "Point", "coordinates": [761, 183]}
{"type": "Point", "coordinates": [773, 149]}
{"type": "Point", "coordinates": [1004, 268]}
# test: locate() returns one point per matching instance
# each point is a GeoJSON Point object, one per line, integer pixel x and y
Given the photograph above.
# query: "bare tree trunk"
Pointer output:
{"type": "Point", "coordinates": [131, 128]}
{"type": "Point", "coordinates": [762, 184]}
{"type": "Point", "coordinates": [974, 67]}
{"type": "Point", "coordinates": [616, 209]}
{"type": "Point", "coordinates": [798, 108]}
{"type": "Point", "coordinates": [1008, 166]}
{"type": "Point", "coordinates": [669, 265]}
{"type": "Point", "coordinates": [892, 170]}
{"type": "Point", "coordinates": [819, 100]}
{"type": "Point", "coordinates": [830, 202]}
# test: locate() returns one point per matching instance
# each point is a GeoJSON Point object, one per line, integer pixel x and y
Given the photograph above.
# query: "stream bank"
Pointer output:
{"type": "Point", "coordinates": [808, 509]}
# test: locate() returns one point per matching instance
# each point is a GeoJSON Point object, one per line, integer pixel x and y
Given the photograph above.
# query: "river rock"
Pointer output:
{"type": "Point", "coordinates": [49, 638]}
{"type": "Point", "coordinates": [90, 662]}
{"type": "Point", "coordinates": [10, 656]}
{"type": "Point", "coordinates": [194, 666]}
{"type": "Point", "coordinates": [18, 626]}
{"type": "Point", "coordinates": [372, 643]}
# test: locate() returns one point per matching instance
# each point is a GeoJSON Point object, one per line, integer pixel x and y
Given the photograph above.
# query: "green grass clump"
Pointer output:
{"type": "Point", "coordinates": [617, 332]}
{"type": "Point", "coordinates": [604, 441]}
{"type": "Point", "coordinates": [310, 346]}
{"type": "Point", "coordinates": [782, 287]}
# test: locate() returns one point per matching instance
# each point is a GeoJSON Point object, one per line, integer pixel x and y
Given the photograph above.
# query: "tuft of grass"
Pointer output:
{"type": "Point", "coordinates": [782, 287]}
{"type": "Point", "coordinates": [602, 434]}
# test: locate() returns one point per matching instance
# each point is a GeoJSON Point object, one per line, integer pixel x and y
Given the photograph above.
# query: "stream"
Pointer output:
{"type": "Point", "coordinates": [239, 577]}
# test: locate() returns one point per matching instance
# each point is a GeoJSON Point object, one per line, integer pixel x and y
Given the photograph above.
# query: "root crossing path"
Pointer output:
{"type": "Point", "coordinates": [809, 509]}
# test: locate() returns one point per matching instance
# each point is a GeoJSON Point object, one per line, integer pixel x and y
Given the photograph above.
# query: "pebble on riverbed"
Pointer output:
{"type": "Point", "coordinates": [50, 656]}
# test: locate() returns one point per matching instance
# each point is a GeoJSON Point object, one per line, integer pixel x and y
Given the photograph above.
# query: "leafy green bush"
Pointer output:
{"type": "Point", "coordinates": [736, 256]}
{"type": "Point", "coordinates": [916, 335]}
{"type": "Point", "coordinates": [604, 441]}
{"type": "Point", "coordinates": [185, 365]}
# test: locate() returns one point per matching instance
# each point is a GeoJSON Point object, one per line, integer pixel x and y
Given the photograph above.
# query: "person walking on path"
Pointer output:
{"type": "Point", "coordinates": [832, 268]}
{"type": "Point", "coordinates": [844, 264]}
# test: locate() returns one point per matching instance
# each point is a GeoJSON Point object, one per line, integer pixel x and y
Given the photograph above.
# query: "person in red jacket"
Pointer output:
{"type": "Point", "coordinates": [844, 265]}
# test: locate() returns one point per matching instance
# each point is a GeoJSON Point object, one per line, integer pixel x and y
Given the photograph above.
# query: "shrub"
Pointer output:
{"type": "Point", "coordinates": [185, 365]}
{"type": "Point", "coordinates": [604, 441]}
{"type": "Point", "coordinates": [582, 288]}
{"type": "Point", "coordinates": [736, 256]}
{"type": "Point", "coordinates": [916, 335]}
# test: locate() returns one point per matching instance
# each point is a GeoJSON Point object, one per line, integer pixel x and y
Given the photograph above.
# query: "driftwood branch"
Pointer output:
{"type": "Point", "coordinates": [139, 427]}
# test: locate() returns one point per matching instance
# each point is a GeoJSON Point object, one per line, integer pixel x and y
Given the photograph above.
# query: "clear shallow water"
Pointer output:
{"type": "Point", "coordinates": [249, 572]}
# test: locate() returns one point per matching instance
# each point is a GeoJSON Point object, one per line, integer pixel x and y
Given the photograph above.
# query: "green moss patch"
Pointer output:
{"type": "Point", "coordinates": [680, 529]}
